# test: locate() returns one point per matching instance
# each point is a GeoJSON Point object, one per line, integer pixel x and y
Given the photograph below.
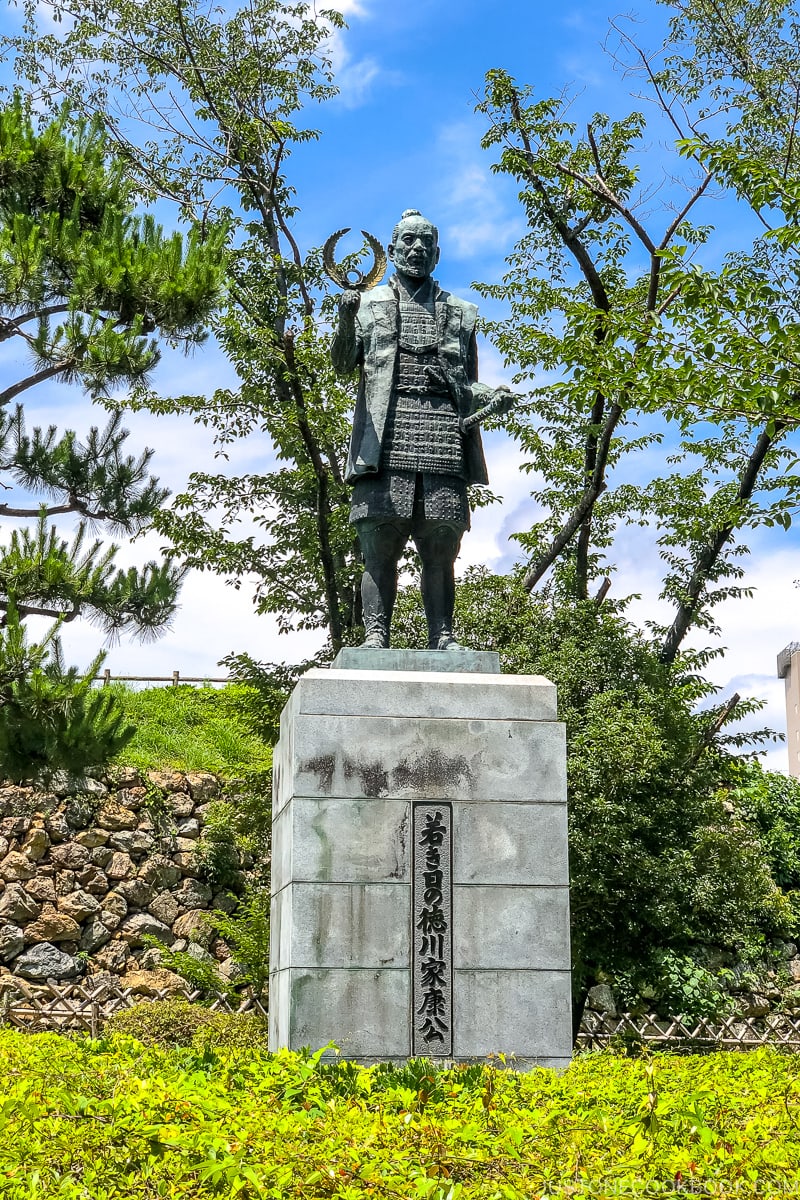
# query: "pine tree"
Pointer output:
{"type": "Point", "coordinates": [88, 288]}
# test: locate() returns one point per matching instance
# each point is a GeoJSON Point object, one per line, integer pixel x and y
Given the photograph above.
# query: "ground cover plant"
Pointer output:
{"type": "Point", "coordinates": [91, 1120]}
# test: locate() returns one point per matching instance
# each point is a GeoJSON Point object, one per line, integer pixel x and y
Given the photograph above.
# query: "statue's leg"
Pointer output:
{"type": "Point", "coordinates": [381, 544]}
{"type": "Point", "coordinates": [438, 544]}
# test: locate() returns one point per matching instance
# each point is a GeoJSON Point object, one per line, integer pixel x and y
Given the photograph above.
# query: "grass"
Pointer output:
{"type": "Point", "coordinates": [188, 728]}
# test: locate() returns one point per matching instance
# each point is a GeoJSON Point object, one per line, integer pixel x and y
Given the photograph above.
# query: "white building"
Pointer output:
{"type": "Point", "coordinates": [789, 671]}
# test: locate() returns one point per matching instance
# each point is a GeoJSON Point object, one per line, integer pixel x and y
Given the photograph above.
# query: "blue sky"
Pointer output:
{"type": "Point", "coordinates": [403, 133]}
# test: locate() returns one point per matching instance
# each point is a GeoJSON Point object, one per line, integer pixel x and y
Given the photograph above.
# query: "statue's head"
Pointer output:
{"type": "Point", "coordinates": [414, 248]}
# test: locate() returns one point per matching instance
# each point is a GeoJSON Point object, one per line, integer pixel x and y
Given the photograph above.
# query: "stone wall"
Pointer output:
{"type": "Point", "coordinates": [86, 875]}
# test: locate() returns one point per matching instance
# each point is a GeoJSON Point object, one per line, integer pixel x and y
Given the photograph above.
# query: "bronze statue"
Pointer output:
{"type": "Point", "coordinates": [416, 443]}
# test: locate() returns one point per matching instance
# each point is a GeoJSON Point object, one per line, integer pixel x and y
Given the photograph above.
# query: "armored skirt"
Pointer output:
{"type": "Point", "coordinates": [422, 471]}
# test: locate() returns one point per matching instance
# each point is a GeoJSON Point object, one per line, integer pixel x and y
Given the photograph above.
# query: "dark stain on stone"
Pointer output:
{"type": "Point", "coordinates": [433, 772]}
{"type": "Point", "coordinates": [372, 776]}
{"type": "Point", "coordinates": [323, 766]}
{"type": "Point", "coordinates": [399, 871]}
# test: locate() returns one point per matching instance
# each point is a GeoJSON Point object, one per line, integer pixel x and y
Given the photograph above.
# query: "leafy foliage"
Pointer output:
{"type": "Point", "coordinates": [206, 1120]}
{"type": "Point", "coordinates": [83, 285]}
{"type": "Point", "coordinates": [658, 864]}
{"type": "Point", "coordinates": [247, 933]}
{"type": "Point", "coordinates": [218, 94]}
{"type": "Point", "coordinates": [51, 718]}
{"type": "Point", "coordinates": [642, 344]}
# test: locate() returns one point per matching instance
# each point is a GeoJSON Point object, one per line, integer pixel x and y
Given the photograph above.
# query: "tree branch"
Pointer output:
{"type": "Point", "coordinates": [718, 538]}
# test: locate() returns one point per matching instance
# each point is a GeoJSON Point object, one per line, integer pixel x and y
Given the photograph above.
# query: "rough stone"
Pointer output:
{"type": "Point", "coordinates": [194, 926]}
{"type": "Point", "coordinates": [133, 797]}
{"type": "Point", "coordinates": [36, 844]}
{"type": "Point", "coordinates": [220, 949]}
{"type": "Point", "coordinates": [46, 961]}
{"type": "Point", "coordinates": [57, 827]}
{"type": "Point", "coordinates": [193, 894]}
{"type": "Point", "coordinates": [164, 907]}
{"type": "Point", "coordinates": [196, 951]}
{"type": "Point", "coordinates": [132, 841]}
{"type": "Point", "coordinates": [187, 827]}
{"type": "Point", "coordinates": [794, 968]}
{"type": "Point", "coordinates": [225, 902]}
{"type": "Point", "coordinates": [95, 934]}
{"type": "Point", "coordinates": [110, 919]}
{"type": "Point", "coordinates": [121, 866]}
{"type": "Point", "coordinates": [231, 970]}
{"type": "Point", "coordinates": [16, 904]}
{"type": "Point", "coordinates": [180, 804]}
{"type": "Point", "coordinates": [100, 983]}
{"type": "Point", "coordinates": [601, 999]}
{"type": "Point", "coordinates": [757, 1006]}
{"type": "Point", "coordinates": [52, 926]}
{"type": "Point", "coordinates": [65, 882]}
{"type": "Point", "coordinates": [113, 956]}
{"type": "Point", "coordinates": [115, 903]}
{"type": "Point", "coordinates": [78, 905]}
{"type": "Point", "coordinates": [102, 855]}
{"type": "Point", "coordinates": [166, 781]}
{"type": "Point", "coordinates": [16, 866]}
{"type": "Point", "coordinates": [159, 871]}
{"type": "Point", "coordinates": [114, 816]}
{"type": "Point", "coordinates": [125, 777]}
{"type": "Point", "coordinates": [70, 856]}
{"type": "Point", "coordinates": [92, 838]}
{"type": "Point", "coordinates": [140, 925]}
{"type": "Point", "coordinates": [202, 786]}
{"type": "Point", "coordinates": [15, 827]}
{"type": "Point", "coordinates": [12, 942]}
{"type": "Point", "coordinates": [43, 889]}
{"type": "Point", "coordinates": [137, 892]}
{"type": "Point", "coordinates": [5, 846]}
{"type": "Point", "coordinates": [93, 880]}
{"type": "Point", "coordinates": [186, 861]}
{"type": "Point", "coordinates": [152, 982]}
{"type": "Point", "coordinates": [64, 784]}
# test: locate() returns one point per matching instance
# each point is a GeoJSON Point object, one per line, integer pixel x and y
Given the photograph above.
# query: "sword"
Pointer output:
{"type": "Point", "coordinates": [502, 403]}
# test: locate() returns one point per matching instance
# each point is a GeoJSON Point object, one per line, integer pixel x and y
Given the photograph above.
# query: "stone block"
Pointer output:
{"type": "Point", "coordinates": [510, 927]}
{"type": "Point", "coordinates": [420, 694]}
{"type": "Point", "coordinates": [343, 925]}
{"type": "Point", "coordinates": [512, 1012]}
{"type": "Point", "coordinates": [340, 841]}
{"type": "Point", "coordinates": [372, 1010]}
{"type": "Point", "coordinates": [366, 658]}
{"type": "Point", "coordinates": [510, 843]}
{"type": "Point", "coordinates": [346, 757]}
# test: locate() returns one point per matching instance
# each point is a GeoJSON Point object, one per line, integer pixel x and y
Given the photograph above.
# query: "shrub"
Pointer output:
{"type": "Point", "coordinates": [177, 1022]}
{"type": "Point", "coordinates": [172, 1022]}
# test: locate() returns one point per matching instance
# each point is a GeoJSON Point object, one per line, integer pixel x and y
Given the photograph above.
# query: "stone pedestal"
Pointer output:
{"type": "Point", "coordinates": [419, 864]}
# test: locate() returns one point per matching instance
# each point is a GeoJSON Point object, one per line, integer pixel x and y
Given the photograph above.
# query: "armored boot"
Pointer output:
{"type": "Point", "coordinates": [438, 596]}
{"type": "Point", "coordinates": [381, 546]}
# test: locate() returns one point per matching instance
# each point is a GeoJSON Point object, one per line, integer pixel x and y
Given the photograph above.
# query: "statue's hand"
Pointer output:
{"type": "Point", "coordinates": [349, 304]}
{"type": "Point", "coordinates": [504, 398]}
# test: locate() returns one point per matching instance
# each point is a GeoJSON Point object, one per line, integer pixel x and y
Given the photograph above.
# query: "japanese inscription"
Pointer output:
{"type": "Point", "coordinates": [432, 929]}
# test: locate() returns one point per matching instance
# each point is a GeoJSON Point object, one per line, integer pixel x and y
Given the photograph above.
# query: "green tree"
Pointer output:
{"type": "Point", "coordinates": [84, 286]}
{"type": "Point", "coordinates": [219, 97]}
{"type": "Point", "coordinates": [677, 353]}
{"type": "Point", "coordinates": [659, 860]}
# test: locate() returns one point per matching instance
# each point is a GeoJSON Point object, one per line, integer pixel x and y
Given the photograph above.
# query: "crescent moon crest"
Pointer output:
{"type": "Point", "coordinates": [363, 281]}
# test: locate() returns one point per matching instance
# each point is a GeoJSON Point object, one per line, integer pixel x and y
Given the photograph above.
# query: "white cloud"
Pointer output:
{"type": "Point", "coordinates": [477, 216]}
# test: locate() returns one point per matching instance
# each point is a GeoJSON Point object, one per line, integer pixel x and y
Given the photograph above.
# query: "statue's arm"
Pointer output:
{"type": "Point", "coordinates": [346, 347]}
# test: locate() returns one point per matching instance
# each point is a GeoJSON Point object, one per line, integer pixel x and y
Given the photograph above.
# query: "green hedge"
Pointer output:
{"type": "Point", "coordinates": [115, 1119]}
